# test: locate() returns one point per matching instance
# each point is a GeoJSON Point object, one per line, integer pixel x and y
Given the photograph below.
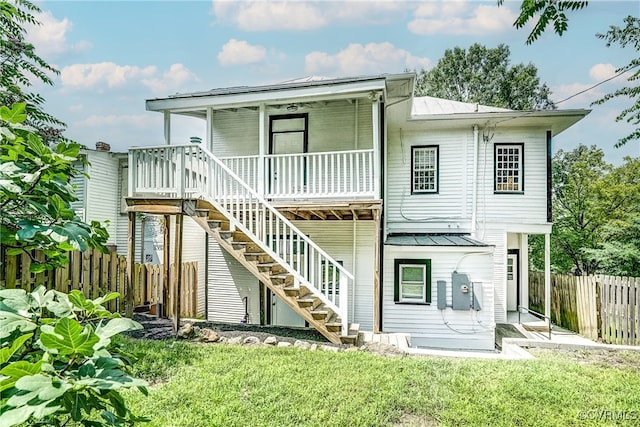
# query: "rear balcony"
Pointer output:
{"type": "Point", "coordinates": [327, 186]}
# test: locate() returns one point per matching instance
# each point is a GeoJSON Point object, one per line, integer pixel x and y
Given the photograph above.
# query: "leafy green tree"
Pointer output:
{"type": "Point", "coordinates": [21, 67]}
{"type": "Point", "coordinates": [545, 12]}
{"type": "Point", "coordinates": [627, 36]}
{"type": "Point", "coordinates": [57, 361]}
{"type": "Point", "coordinates": [590, 199]}
{"type": "Point", "coordinates": [619, 253]}
{"type": "Point", "coordinates": [485, 76]}
{"type": "Point", "coordinates": [35, 194]}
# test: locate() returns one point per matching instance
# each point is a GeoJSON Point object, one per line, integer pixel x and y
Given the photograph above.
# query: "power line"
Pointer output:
{"type": "Point", "coordinates": [621, 72]}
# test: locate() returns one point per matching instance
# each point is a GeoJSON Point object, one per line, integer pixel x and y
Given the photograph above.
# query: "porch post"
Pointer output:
{"type": "Point", "coordinates": [167, 127]}
{"type": "Point", "coordinates": [376, 272]}
{"type": "Point", "coordinates": [209, 134]}
{"type": "Point", "coordinates": [166, 265]}
{"type": "Point", "coordinates": [375, 119]}
{"type": "Point", "coordinates": [523, 268]}
{"type": "Point", "coordinates": [131, 253]}
{"type": "Point", "coordinates": [177, 268]}
{"type": "Point", "coordinates": [261, 150]}
{"type": "Point", "coordinates": [547, 275]}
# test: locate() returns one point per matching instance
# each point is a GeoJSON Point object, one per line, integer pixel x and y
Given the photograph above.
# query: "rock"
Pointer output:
{"type": "Point", "coordinates": [223, 340]}
{"type": "Point", "coordinates": [251, 341]}
{"type": "Point", "coordinates": [209, 335]}
{"type": "Point", "coordinates": [329, 348]}
{"type": "Point", "coordinates": [352, 349]}
{"type": "Point", "coordinates": [234, 341]}
{"type": "Point", "coordinates": [302, 344]}
{"type": "Point", "coordinates": [186, 331]}
{"type": "Point", "coordinates": [284, 344]}
{"type": "Point", "coordinates": [271, 341]}
{"type": "Point", "coordinates": [382, 349]}
{"type": "Point", "coordinates": [313, 347]}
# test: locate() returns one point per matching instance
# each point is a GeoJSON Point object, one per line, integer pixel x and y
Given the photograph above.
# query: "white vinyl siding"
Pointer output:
{"type": "Point", "coordinates": [102, 202]}
{"type": "Point", "coordinates": [334, 126]}
{"type": "Point", "coordinates": [336, 238]}
{"type": "Point", "coordinates": [448, 210]}
{"type": "Point", "coordinates": [428, 326]}
{"type": "Point", "coordinates": [229, 283]}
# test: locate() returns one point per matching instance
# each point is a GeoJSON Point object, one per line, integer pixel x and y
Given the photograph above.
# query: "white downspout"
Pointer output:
{"type": "Point", "coordinates": [167, 127]}
{"type": "Point", "coordinates": [474, 182]}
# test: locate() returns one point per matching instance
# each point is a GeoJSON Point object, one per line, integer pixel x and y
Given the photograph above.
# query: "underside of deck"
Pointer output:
{"type": "Point", "coordinates": [322, 210]}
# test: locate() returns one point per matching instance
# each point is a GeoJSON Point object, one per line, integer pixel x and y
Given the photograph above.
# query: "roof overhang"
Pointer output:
{"type": "Point", "coordinates": [437, 239]}
{"type": "Point", "coordinates": [388, 88]}
{"type": "Point", "coordinates": [555, 120]}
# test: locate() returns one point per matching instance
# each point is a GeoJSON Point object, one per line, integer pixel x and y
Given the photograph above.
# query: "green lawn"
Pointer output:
{"type": "Point", "coordinates": [219, 385]}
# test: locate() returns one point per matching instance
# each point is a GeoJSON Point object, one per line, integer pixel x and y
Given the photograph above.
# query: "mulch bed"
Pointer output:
{"type": "Point", "coordinates": [162, 329]}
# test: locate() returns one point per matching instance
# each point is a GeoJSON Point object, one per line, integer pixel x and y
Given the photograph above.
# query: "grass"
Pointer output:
{"type": "Point", "coordinates": [218, 385]}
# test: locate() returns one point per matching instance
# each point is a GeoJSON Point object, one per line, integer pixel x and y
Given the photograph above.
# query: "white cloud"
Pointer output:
{"type": "Point", "coordinates": [261, 15]}
{"type": "Point", "coordinates": [357, 59]}
{"type": "Point", "coordinates": [459, 17]}
{"type": "Point", "coordinates": [110, 75]}
{"type": "Point", "coordinates": [239, 52]}
{"type": "Point", "coordinates": [602, 71]}
{"type": "Point", "coordinates": [76, 108]}
{"type": "Point", "coordinates": [50, 37]}
{"type": "Point", "coordinates": [171, 81]}
{"type": "Point", "coordinates": [86, 76]}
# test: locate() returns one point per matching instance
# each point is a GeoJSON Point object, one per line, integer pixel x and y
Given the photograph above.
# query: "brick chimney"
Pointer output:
{"type": "Point", "coordinates": [102, 146]}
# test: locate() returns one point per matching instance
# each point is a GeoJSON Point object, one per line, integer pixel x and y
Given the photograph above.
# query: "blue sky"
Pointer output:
{"type": "Point", "coordinates": [115, 55]}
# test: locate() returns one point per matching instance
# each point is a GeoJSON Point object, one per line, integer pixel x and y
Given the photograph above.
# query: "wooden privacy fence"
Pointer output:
{"type": "Point", "coordinates": [605, 307]}
{"type": "Point", "coordinates": [96, 273]}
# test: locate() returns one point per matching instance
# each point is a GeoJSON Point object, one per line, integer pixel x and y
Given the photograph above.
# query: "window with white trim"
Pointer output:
{"type": "Point", "coordinates": [424, 169]}
{"type": "Point", "coordinates": [412, 281]}
{"type": "Point", "coordinates": [509, 168]}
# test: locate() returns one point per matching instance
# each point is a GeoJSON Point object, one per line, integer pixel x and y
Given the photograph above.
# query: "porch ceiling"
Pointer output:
{"type": "Point", "coordinates": [329, 210]}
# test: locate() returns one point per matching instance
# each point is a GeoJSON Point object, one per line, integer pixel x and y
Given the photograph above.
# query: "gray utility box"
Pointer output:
{"type": "Point", "coordinates": [462, 292]}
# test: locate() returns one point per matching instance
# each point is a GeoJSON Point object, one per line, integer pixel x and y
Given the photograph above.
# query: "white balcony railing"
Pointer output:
{"type": "Point", "coordinates": [342, 174]}
{"type": "Point", "coordinates": [191, 171]}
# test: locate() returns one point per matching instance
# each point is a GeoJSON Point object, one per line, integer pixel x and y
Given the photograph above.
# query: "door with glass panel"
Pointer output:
{"type": "Point", "coordinates": [287, 167]}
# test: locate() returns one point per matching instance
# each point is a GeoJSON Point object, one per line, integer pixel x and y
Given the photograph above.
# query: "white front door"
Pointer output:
{"type": "Point", "coordinates": [512, 282]}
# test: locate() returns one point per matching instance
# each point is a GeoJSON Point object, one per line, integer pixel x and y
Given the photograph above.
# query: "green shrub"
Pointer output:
{"type": "Point", "coordinates": [57, 361]}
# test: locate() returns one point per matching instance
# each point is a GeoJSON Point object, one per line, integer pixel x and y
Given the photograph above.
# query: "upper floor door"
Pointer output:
{"type": "Point", "coordinates": [288, 138]}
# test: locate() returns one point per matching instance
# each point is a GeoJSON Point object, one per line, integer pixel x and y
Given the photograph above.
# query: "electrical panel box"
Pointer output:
{"type": "Point", "coordinates": [477, 290]}
{"type": "Point", "coordinates": [462, 291]}
{"type": "Point", "coordinates": [442, 294]}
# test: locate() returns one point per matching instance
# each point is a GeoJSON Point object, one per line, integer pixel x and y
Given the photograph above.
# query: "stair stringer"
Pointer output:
{"type": "Point", "coordinates": [264, 278]}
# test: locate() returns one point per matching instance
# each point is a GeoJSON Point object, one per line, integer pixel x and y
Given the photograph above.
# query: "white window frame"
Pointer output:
{"type": "Point", "coordinates": [399, 283]}
{"type": "Point", "coordinates": [508, 168]}
{"type": "Point", "coordinates": [425, 168]}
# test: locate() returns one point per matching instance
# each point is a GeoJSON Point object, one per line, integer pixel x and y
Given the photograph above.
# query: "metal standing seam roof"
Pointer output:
{"type": "Point", "coordinates": [433, 240]}
{"type": "Point", "coordinates": [290, 84]}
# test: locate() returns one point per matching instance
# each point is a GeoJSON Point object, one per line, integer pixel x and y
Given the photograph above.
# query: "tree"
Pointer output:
{"type": "Point", "coordinates": [629, 35]}
{"type": "Point", "coordinates": [619, 253]}
{"type": "Point", "coordinates": [35, 194]}
{"type": "Point", "coordinates": [591, 200]}
{"type": "Point", "coordinates": [546, 12]}
{"type": "Point", "coordinates": [20, 66]}
{"type": "Point", "coordinates": [554, 11]}
{"type": "Point", "coordinates": [485, 76]}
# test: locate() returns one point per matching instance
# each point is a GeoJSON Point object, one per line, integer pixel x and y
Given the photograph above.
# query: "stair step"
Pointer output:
{"type": "Point", "coordinates": [354, 329]}
{"type": "Point", "coordinates": [306, 300]}
{"type": "Point", "coordinates": [283, 279]}
{"type": "Point", "coordinates": [226, 235]}
{"type": "Point", "coordinates": [334, 324]}
{"type": "Point", "coordinates": [256, 256]}
{"type": "Point", "coordinates": [291, 291]}
{"type": "Point", "coordinates": [320, 313]}
{"type": "Point", "coordinates": [349, 339]}
{"type": "Point", "coordinates": [266, 267]}
{"type": "Point", "coordinates": [202, 212]}
{"type": "Point", "coordinates": [214, 223]}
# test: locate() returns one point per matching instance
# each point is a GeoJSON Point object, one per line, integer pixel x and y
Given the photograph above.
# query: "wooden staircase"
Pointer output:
{"type": "Point", "coordinates": [274, 276]}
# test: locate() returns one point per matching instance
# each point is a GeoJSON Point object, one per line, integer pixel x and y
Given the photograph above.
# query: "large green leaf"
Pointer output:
{"type": "Point", "coordinates": [7, 352]}
{"type": "Point", "coordinates": [40, 387]}
{"type": "Point", "coordinates": [16, 416]}
{"type": "Point", "coordinates": [69, 338]}
{"type": "Point", "coordinates": [9, 322]}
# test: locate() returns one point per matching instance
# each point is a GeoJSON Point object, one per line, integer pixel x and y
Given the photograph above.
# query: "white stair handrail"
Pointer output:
{"type": "Point", "coordinates": [186, 171]}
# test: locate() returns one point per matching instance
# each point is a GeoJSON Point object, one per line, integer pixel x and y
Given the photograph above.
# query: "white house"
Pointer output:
{"type": "Point", "coordinates": [344, 202]}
